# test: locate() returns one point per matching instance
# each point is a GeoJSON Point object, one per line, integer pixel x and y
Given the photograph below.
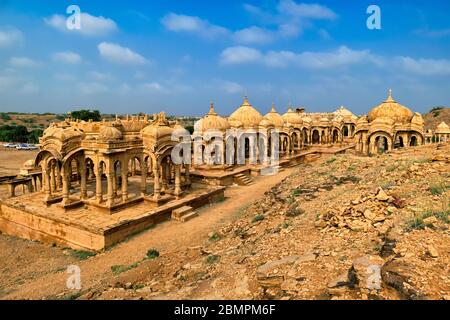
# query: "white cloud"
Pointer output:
{"type": "Point", "coordinates": [90, 25]}
{"type": "Point", "coordinates": [306, 10]}
{"type": "Point", "coordinates": [425, 67]}
{"type": "Point", "coordinates": [191, 24]}
{"type": "Point", "coordinates": [230, 87]}
{"type": "Point", "coordinates": [10, 37]}
{"type": "Point", "coordinates": [240, 55]}
{"type": "Point", "coordinates": [23, 62]}
{"type": "Point", "coordinates": [343, 56]}
{"type": "Point", "coordinates": [121, 55]}
{"type": "Point", "coordinates": [90, 88]}
{"type": "Point", "coordinates": [67, 57]}
{"type": "Point", "coordinates": [154, 86]}
{"type": "Point", "coordinates": [100, 76]}
{"type": "Point", "coordinates": [253, 35]}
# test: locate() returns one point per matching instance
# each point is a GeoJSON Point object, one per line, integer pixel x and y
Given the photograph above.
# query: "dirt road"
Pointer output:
{"type": "Point", "coordinates": [166, 237]}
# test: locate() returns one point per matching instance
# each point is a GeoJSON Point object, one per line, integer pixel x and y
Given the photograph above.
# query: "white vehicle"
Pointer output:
{"type": "Point", "coordinates": [10, 145]}
{"type": "Point", "coordinates": [24, 146]}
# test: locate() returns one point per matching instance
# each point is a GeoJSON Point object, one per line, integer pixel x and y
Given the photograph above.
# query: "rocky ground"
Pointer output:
{"type": "Point", "coordinates": [347, 227]}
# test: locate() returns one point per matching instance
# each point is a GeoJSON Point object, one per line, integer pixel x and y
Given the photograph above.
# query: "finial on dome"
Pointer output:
{"type": "Point", "coordinates": [273, 107]}
{"type": "Point", "coordinates": [211, 109]}
{"type": "Point", "coordinates": [390, 98]}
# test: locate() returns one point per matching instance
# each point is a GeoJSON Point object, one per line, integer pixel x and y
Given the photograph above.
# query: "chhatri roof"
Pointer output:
{"type": "Point", "coordinates": [443, 128]}
{"type": "Point", "coordinates": [292, 117]}
{"type": "Point", "coordinates": [274, 118]}
{"type": "Point", "coordinates": [391, 109]}
{"type": "Point", "coordinates": [212, 121]}
{"type": "Point", "coordinates": [248, 116]}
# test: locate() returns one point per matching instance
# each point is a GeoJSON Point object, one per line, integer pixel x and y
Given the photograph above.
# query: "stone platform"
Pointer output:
{"type": "Point", "coordinates": [86, 228]}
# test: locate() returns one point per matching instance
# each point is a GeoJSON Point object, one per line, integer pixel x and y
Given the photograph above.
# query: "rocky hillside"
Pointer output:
{"type": "Point", "coordinates": [347, 227]}
{"type": "Point", "coordinates": [436, 116]}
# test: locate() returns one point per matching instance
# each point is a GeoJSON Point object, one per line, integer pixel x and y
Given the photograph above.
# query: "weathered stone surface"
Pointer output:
{"type": "Point", "coordinates": [366, 270]}
{"type": "Point", "coordinates": [397, 275]}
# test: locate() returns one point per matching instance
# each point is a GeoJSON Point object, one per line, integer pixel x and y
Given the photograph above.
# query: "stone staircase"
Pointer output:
{"type": "Point", "coordinates": [243, 180]}
{"type": "Point", "coordinates": [184, 214]}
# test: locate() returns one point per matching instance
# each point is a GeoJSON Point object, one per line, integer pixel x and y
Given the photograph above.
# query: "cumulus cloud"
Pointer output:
{"type": "Point", "coordinates": [240, 55]}
{"type": "Point", "coordinates": [67, 57]}
{"type": "Point", "coordinates": [192, 24]}
{"type": "Point", "coordinates": [23, 62]}
{"type": "Point", "coordinates": [306, 10]}
{"type": "Point", "coordinates": [121, 55]}
{"type": "Point", "coordinates": [253, 35]}
{"type": "Point", "coordinates": [90, 25]}
{"type": "Point", "coordinates": [10, 37]}
{"type": "Point", "coordinates": [343, 56]}
{"type": "Point", "coordinates": [425, 67]}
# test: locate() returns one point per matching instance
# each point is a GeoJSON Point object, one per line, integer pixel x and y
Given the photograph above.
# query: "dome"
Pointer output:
{"type": "Point", "coordinates": [266, 123]}
{"type": "Point", "coordinates": [344, 112]}
{"type": "Point", "coordinates": [29, 164]}
{"type": "Point", "coordinates": [212, 121]}
{"type": "Point", "coordinates": [442, 128]}
{"type": "Point", "coordinates": [247, 115]}
{"type": "Point", "coordinates": [110, 132]}
{"type": "Point", "coordinates": [392, 110]}
{"type": "Point", "coordinates": [62, 133]}
{"type": "Point", "coordinates": [235, 123]}
{"type": "Point", "coordinates": [274, 118]}
{"type": "Point", "coordinates": [292, 117]}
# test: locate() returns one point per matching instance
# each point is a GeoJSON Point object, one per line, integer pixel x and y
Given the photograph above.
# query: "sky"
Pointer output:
{"type": "Point", "coordinates": [179, 55]}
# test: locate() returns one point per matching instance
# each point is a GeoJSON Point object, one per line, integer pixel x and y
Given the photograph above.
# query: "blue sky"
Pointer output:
{"type": "Point", "coordinates": [177, 56]}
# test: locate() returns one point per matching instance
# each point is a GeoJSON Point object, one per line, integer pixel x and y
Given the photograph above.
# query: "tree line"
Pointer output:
{"type": "Point", "coordinates": [19, 134]}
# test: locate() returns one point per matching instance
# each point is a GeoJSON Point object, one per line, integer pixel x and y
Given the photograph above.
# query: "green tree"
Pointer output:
{"type": "Point", "coordinates": [86, 115]}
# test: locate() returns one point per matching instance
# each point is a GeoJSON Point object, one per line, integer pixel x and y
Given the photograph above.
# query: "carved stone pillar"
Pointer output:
{"type": "Point", "coordinates": [83, 181]}
{"type": "Point", "coordinates": [65, 187]}
{"type": "Point", "coordinates": [98, 185]}
{"type": "Point", "coordinates": [110, 188]}
{"type": "Point", "coordinates": [124, 185]}
{"type": "Point", "coordinates": [157, 187]}
{"type": "Point", "coordinates": [177, 181]}
{"type": "Point", "coordinates": [143, 179]}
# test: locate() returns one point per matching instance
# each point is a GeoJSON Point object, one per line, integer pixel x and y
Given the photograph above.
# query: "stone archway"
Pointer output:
{"type": "Point", "coordinates": [315, 137]}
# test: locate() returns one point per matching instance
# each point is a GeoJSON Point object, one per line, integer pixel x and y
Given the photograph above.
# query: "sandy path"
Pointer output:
{"type": "Point", "coordinates": [166, 237]}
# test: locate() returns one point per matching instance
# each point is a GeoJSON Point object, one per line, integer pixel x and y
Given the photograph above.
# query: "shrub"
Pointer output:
{"type": "Point", "coordinates": [117, 269]}
{"type": "Point", "coordinates": [211, 259]}
{"type": "Point", "coordinates": [5, 116]}
{"type": "Point", "coordinates": [82, 255]}
{"type": "Point", "coordinates": [152, 254]}
{"type": "Point", "coordinates": [258, 218]}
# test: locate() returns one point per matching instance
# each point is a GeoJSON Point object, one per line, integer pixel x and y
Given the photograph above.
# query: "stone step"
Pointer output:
{"type": "Point", "coordinates": [189, 216]}
{"type": "Point", "coordinates": [180, 212]}
{"type": "Point", "coordinates": [243, 179]}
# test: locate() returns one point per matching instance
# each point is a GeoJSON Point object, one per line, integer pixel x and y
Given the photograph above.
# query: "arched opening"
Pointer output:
{"type": "Point", "coordinates": [413, 142]}
{"type": "Point", "coordinates": [346, 132]}
{"type": "Point", "coordinates": [315, 137]}
{"type": "Point", "coordinates": [335, 136]}
{"type": "Point", "coordinates": [381, 144]}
